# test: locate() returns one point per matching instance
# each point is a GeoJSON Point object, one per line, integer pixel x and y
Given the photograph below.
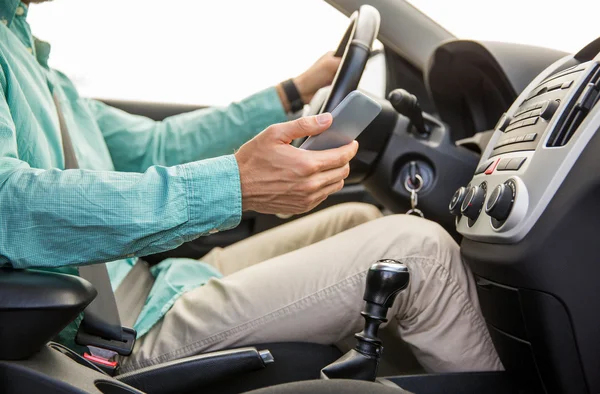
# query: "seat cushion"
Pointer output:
{"type": "Point", "coordinates": [294, 361]}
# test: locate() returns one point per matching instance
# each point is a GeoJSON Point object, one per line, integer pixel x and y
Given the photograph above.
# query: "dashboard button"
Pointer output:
{"type": "Point", "coordinates": [516, 163]}
{"type": "Point", "coordinates": [503, 122]}
{"type": "Point", "coordinates": [500, 202]}
{"type": "Point", "coordinates": [530, 137]}
{"type": "Point", "coordinates": [537, 92]}
{"type": "Point", "coordinates": [536, 112]}
{"type": "Point", "coordinates": [457, 200]}
{"type": "Point", "coordinates": [555, 86]}
{"type": "Point", "coordinates": [520, 138]}
{"type": "Point", "coordinates": [483, 167]}
{"type": "Point", "coordinates": [514, 125]}
{"type": "Point", "coordinates": [526, 115]}
{"type": "Point", "coordinates": [492, 167]}
{"type": "Point", "coordinates": [523, 110]}
{"type": "Point", "coordinates": [566, 85]}
{"type": "Point", "coordinates": [503, 163]}
{"type": "Point", "coordinates": [530, 108]}
{"type": "Point", "coordinates": [473, 202]}
{"type": "Point", "coordinates": [530, 121]}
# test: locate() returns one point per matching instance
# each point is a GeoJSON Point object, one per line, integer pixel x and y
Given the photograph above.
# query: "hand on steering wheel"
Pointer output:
{"type": "Point", "coordinates": [354, 49]}
{"type": "Point", "coordinates": [320, 74]}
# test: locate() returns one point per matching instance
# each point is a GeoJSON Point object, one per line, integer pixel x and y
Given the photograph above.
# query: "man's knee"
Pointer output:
{"type": "Point", "coordinates": [402, 225]}
{"type": "Point", "coordinates": [411, 236]}
{"type": "Point", "coordinates": [359, 212]}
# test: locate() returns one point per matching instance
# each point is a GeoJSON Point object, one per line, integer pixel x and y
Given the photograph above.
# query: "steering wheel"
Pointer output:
{"type": "Point", "coordinates": [354, 49]}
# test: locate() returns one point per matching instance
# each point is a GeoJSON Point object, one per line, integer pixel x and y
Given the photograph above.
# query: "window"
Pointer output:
{"type": "Point", "coordinates": [189, 51]}
{"type": "Point", "coordinates": [564, 25]}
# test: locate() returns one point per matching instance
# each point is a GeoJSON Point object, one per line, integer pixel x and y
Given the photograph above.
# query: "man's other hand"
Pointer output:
{"type": "Point", "coordinates": [281, 179]}
{"type": "Point", "coordinates": [319, 75]}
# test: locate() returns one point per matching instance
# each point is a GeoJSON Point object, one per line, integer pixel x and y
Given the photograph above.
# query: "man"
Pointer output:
{"type": "Point", "coordinates": [144, 187]}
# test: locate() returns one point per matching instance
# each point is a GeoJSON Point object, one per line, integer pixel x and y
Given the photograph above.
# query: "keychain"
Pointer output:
{"type": "Point", "coordinates": [414, 197]}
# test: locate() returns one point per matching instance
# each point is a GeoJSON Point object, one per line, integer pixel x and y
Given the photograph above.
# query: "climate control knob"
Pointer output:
{"type": "Point", "coordinates": [457, 200]}
{"type": "Point", "coordinates": [500, 202]}
{"type": "Point", "coordinates": [473, 202]}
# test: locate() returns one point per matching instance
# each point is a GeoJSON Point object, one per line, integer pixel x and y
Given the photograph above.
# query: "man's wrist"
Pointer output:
{"type": "Point", "coordinates": [300, 83]}
{"type": "Point", "coordinates": [285, 103]}
{"type": "Point", "coordinates": [292, 94]}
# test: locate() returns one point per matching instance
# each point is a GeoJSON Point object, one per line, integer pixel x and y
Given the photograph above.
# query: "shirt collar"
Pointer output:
{"type": "Point", "coordinates": [8, 10]}
{"type": "Point", "coordinates": [42, 51]}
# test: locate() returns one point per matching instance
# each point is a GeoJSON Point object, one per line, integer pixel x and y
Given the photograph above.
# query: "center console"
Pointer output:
{"type": "Point", "coordinates": [528, 219]}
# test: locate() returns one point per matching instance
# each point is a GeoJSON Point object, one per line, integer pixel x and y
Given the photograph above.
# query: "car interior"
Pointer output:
{"type": "Point", "coordinates": [495, 139]}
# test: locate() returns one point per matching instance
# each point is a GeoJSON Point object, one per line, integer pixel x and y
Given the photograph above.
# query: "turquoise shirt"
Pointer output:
{"type": "Point", "coordinates": [143, 187]}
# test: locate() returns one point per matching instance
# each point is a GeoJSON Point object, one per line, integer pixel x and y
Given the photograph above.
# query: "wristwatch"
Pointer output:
{"type": "Point", "coordinates": [293, 96]}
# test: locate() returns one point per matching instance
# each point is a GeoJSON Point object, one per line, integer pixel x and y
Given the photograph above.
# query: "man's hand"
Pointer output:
{"type": "Point", "coordinates": [279, 178]}
{"type": "Point", "coordinates": [319, 75]}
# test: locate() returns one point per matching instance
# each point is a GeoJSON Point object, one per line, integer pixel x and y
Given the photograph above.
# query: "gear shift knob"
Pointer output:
{"type": "Point", "coordinates": [385, 279]}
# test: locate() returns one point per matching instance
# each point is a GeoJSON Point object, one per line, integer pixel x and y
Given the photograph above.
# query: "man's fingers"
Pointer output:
{"type": "Point", "coordinates": [321, 195]}
{"type": "Point", "coordinates": [302, 127]}
{"type": "Point", "coordinates": [323, 179]}
{"type": "Point", "coordinates": [334, 158]}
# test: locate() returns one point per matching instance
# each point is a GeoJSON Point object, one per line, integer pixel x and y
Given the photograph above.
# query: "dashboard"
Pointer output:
{"type": "Point", "coordinates": [472, 83]}
{"type": "Point", "coordinates": [527, 158]}
{"type": "Point", "coordinates": [528, 219]}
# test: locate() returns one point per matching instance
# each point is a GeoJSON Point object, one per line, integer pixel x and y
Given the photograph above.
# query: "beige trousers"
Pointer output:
{"type": "Point", "coordinates": [304, 281]}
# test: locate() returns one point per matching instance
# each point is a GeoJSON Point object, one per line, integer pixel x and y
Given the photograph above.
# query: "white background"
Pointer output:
{"type": "Point", "coordinates": [216, 51]}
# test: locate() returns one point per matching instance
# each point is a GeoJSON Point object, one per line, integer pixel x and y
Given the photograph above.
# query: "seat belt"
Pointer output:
{"type": "Point", "coordinates": [101, 329]}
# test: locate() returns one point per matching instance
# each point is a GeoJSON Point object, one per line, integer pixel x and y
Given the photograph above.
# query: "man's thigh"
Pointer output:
{"type": "Point", "coordinates": [313, 294]}
{"type": "Point", "coordinates": [291, 236]}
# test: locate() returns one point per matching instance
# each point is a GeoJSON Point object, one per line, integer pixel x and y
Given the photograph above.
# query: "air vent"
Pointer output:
{"type": "Point", "coordinates": [575, 115]}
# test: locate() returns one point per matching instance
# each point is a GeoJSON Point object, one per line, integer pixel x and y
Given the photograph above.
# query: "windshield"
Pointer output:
{"type": "Point", "coordinates": [564, 25]}
{"type": "Point", "coordinates": [189, 51]}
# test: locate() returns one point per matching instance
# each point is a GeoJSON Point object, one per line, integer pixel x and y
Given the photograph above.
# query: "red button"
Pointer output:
{"type": "Point", "coordinates": [492, 167]}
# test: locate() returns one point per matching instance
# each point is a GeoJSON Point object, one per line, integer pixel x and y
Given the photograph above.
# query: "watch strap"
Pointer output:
{"type": "Point", "coordinates": [292, 94]}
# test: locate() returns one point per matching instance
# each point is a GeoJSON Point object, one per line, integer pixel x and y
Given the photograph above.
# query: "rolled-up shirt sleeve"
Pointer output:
{"type": "Point", "coordinates": [90, 216]}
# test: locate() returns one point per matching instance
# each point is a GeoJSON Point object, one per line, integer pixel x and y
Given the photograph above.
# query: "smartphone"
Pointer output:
{"type": "Point", "coordinates": [350, 118]}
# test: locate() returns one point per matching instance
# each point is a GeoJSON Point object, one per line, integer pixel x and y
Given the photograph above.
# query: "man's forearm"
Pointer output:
{"type": "Point", "coordinates": [52, 218]}
{"type": "Point", "coordinates": [136, 143]}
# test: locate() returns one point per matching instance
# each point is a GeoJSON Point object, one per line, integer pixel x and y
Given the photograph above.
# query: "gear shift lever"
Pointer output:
{"type": "Point", "coordinates": [385, 279]}
{"type": "Point", "coordinates": [408, 105]}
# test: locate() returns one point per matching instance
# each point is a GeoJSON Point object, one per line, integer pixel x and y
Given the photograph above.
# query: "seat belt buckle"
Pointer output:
{"type": "Point", "coordinates": [106, 364]}
{"type": "Point", "coordinates": [103, 351]}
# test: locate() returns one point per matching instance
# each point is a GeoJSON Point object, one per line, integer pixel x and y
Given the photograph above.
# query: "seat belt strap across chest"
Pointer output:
{"type": "Point", "coordinates": [101, 327]}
